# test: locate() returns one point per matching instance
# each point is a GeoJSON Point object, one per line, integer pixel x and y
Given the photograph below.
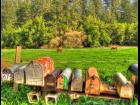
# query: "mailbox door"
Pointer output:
{"type": "Point", "coordinates": [60, 82]}
{"type": "Point", "coordinates": [77, 85]}
{"type": "Point", "coordinates": [19, 77]}
{"type": "Point", "coordinates": [34, 74]}
{"type": "Point", "coordinates": [50, 82]}
{"type": "Point", "coordinates": [66, 83]}
{"type": "Point", "coordinates": [127, 91]}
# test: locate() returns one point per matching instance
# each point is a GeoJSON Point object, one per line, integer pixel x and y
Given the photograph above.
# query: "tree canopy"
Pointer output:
{"type": "Point", "coordinates": [34, 23]}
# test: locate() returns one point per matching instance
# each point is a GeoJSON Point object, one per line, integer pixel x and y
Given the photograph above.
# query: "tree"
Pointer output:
{"type": "Point", "coordinates": [91, 27]}
{"type": "Point", "coordinates": [105, 37]}
{"type": "Point", "coordinates": [23, 14]}
{"type": "Point", "coordinates": [126, 14]}
{"type": "Point", "coordinates": [9, 37]}
{"type": "Point", "coordinates": [117, 32]}
{"type": "Point", "coordinates": [36, 22]}
{"type": "Point", "coordinates": [34, 33]}
{"type": "Point", "coordinates": [134, 11]}
{"type": "Point", "coordinates": [115, 10]}
{"type": "Point", "coordinates": [8, 15]}
{"type": "Point", "coordinates": [131, 34]}
{"type": "Point", "coordinates": [99, 9]}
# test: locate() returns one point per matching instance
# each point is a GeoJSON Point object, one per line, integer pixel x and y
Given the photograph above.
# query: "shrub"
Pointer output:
{"type": "Point", "coordinates": [55, 42]}
{"type": "Point", "coordinates": [9, 37]}
{"type": "Point", "coordinates": [73, 39]}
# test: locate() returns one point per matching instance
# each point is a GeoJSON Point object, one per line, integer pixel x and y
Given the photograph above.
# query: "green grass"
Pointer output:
{"type": "Point", "coordinates": [106, 61]}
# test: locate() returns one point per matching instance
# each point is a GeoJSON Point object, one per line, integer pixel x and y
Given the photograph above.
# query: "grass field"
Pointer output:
{"type": "Point", "coordinates": [106, 61]}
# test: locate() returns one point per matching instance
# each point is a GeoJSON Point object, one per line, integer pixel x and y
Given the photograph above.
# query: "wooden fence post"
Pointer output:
{"type": "Point", "coordinates": [18, 55]}
{"type": "Point", "coordinates": [17, 61]}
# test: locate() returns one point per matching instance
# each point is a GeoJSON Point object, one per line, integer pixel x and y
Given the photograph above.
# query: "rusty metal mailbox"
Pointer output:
{"type": "Point", "coordinates": [93, 83]}
{"type": "Point", "coordinates": [19, 76]}
{"type": "Point", "coordinates": [51, 79]}
{"type": "Point", "coordinates": [64, 79]}
{"type": "Point", "coordinates": [133, 69]}
{"type": "Point", "coordinates": [125, 89]}
{"type": "Point", "coordinates": [8, 73]}
{"type": "Point", "coordinates": [77, 81]}
{"type": "Point", "coordinates": [37, 70]}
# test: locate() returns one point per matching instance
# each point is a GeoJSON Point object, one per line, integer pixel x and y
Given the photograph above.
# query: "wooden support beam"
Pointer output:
{"type": "Point", "coordinates": [51, 96]}
{"type": "Point", "coordinates": [17, 61]}
{"type": "Point", "coordinates": [18, 55]}
{"type": "Point", "coordinates": [33, 97]}
{"type": "Point", "coordinates": [76, 95]}
{"type": "Point", "coordinates": [15, 86]}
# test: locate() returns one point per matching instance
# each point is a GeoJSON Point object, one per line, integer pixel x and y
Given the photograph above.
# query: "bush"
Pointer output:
{"type": "Point", "coordinates": [55, 42]}
{"type": "Point", "coordinates": [45, 46]}
{"type": "Point", "coordinates": [73, 39]}
{"type": "Point", "coordinates": [9, 37]}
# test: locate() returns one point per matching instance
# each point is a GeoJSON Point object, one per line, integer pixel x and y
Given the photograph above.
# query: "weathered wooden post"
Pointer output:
{"type": "Point", "coordinates": [18, 55]}
{"type": "Point", "coordinates": [17, 61]}
{"type": "Point", "coordinates": [33, 97]}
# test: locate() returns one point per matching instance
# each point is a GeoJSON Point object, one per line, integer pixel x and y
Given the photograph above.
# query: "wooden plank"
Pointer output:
{"type": "Point", "coordinates": [18, 55]}
{"type": "Point", "coordinates": [15, 86]}
{"type": "Point", "coordinates": [76, 95]}
{"type": "Point", "coordinates": [53, 96]}
{"type": "Point", "coordinates": [107, 89]}
{"type": "Point", "coordinates": [17, 61]}
{"type": "Point", "coordinates": [33, 97]}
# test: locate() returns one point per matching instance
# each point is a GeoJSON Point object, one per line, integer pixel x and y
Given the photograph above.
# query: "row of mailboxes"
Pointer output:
{"type": "Point", "coordinates": [42, 73]}
{"type": "Point", "coordinates": [93, 84]}
{"type": "Point", "coordinates": [33, 73]}
{"type": "Point", "coordinates": [61, 80]}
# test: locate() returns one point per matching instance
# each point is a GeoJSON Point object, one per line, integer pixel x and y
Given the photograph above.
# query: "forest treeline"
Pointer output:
{"type": "Point", "coordinates": [68, 23]}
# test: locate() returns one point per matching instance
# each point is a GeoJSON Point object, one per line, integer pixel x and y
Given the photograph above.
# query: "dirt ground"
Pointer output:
{"type": "Point", "coordinates": [127, 46]}
{"type": "Point", "coordinates": [122, 46]}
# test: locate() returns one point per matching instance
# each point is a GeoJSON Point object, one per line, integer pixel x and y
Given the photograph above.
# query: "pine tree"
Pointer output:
{"type": "Point", "coordinates": [126, 14]}
{"type": "Point", "coordinates": [99, 9]}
